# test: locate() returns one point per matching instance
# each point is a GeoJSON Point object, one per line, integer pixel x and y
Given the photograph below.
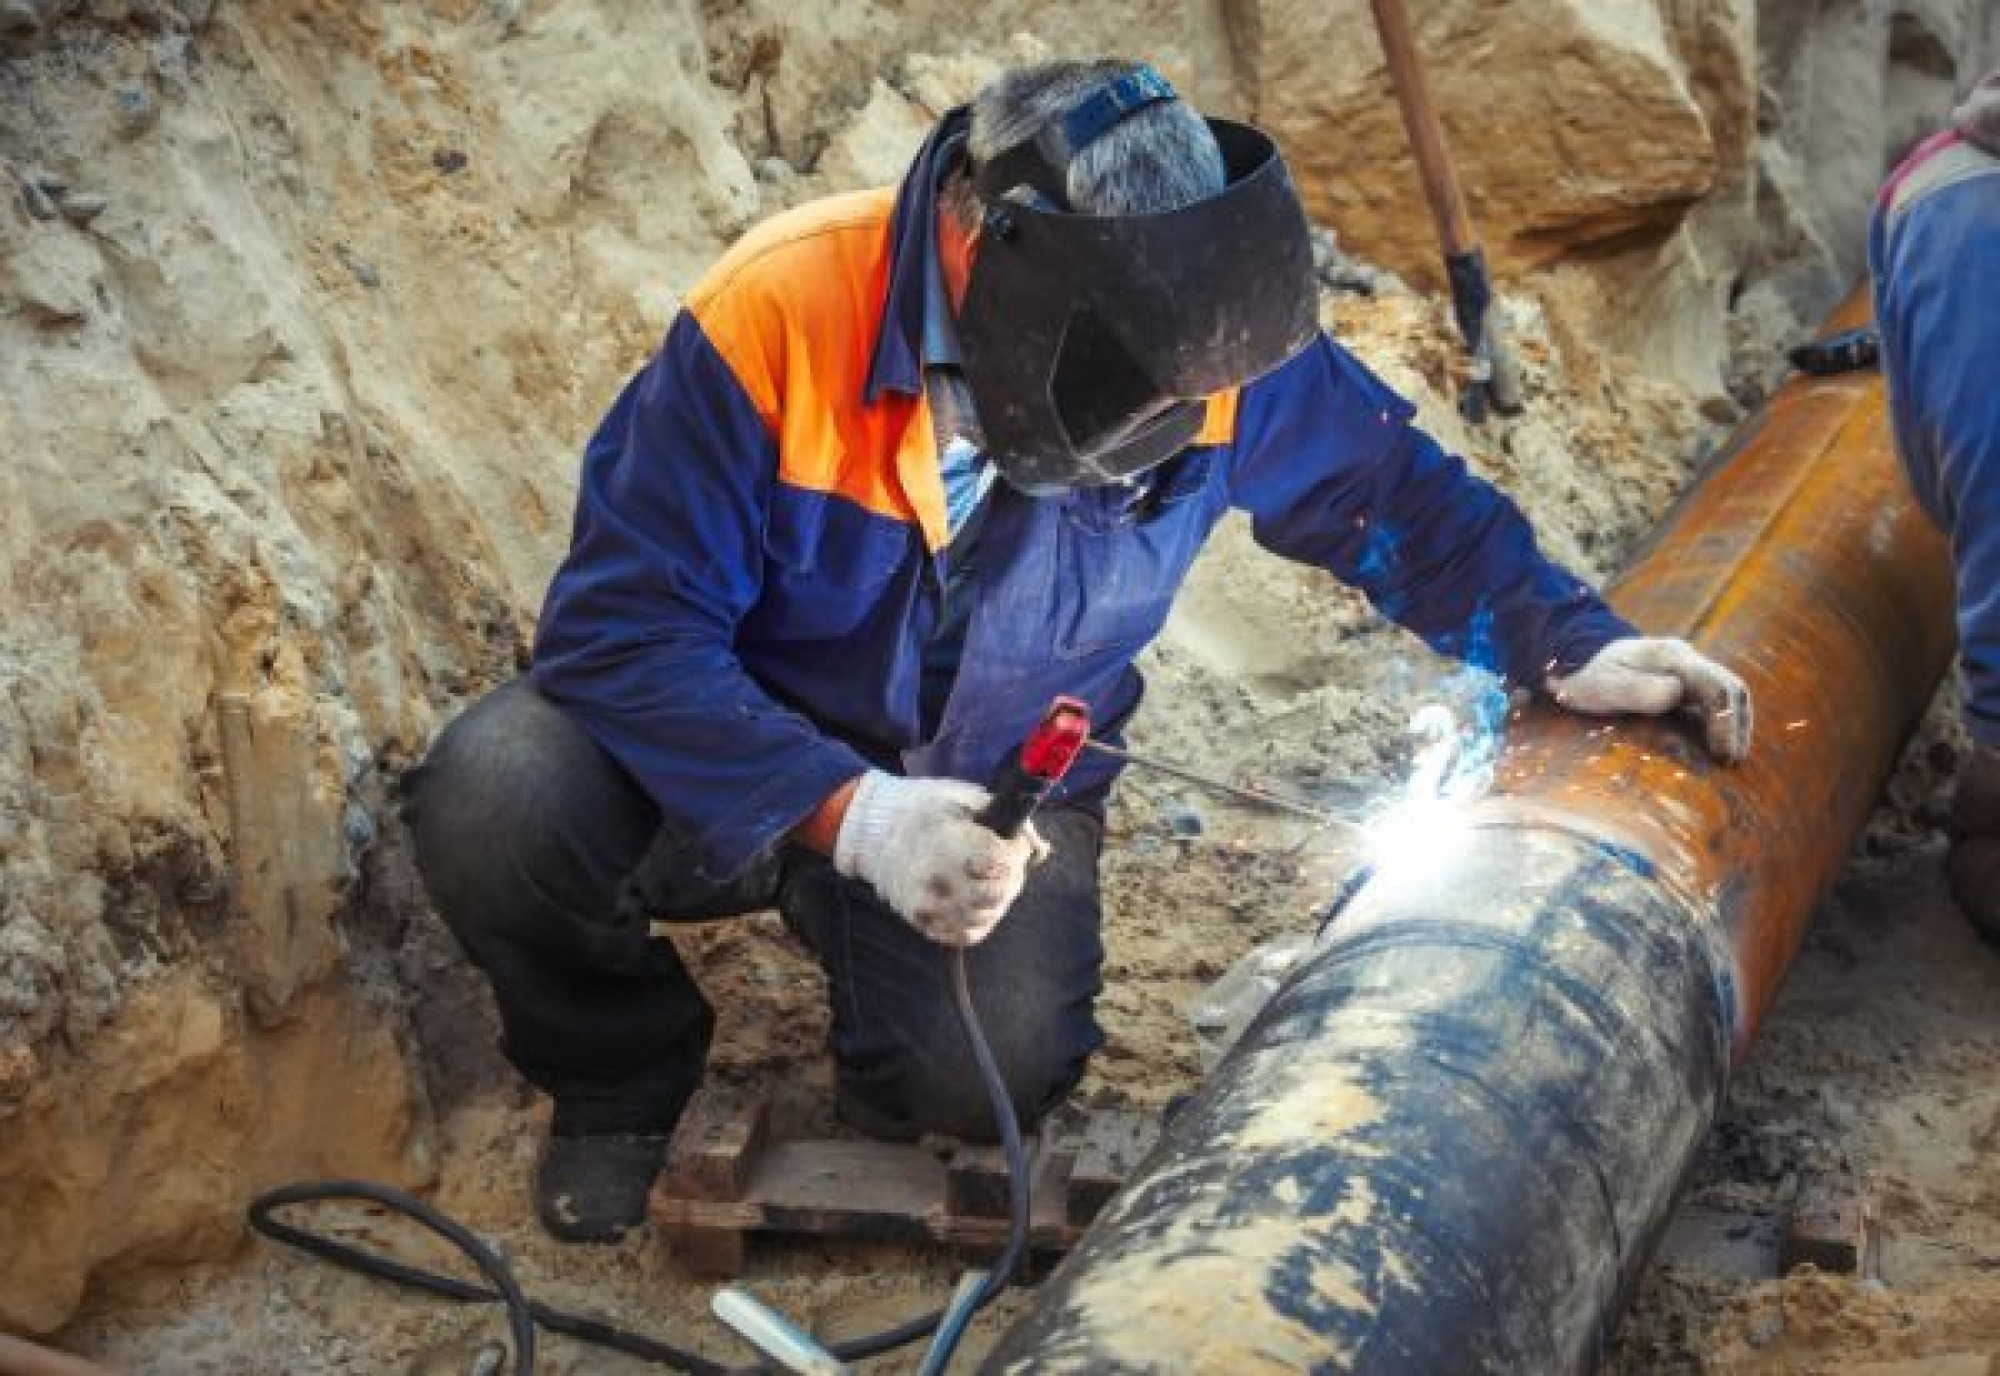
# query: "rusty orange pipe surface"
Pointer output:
{"type": "Point", "coordinates": [1804, 563]}
{"type": "Point", "coordinates": [1451, 1140]}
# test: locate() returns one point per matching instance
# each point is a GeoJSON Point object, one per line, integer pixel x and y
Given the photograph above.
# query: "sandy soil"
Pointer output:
{"type": "Point", "coordinates": [1881, 1054]}
{"type": "Point", "coordinates": [1882, 1058]}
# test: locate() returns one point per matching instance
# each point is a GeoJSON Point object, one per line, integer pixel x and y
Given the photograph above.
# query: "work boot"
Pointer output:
{"type": "Point", "coordinates": [1973, 867]}
{"type": "Point", "coordinates": [593, 1187]}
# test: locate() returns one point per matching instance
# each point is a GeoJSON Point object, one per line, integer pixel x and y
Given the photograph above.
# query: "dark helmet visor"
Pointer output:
{"type": "Point", "coordinates": [1090, 341]}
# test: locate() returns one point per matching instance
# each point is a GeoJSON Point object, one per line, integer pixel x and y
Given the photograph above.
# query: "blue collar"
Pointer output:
{"type": "Point", "coordinates": [902, 343]}
{"type": "Point", "coordinates": [940, 343]}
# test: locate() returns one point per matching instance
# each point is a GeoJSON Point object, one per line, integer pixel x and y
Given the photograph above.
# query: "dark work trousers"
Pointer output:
{"type": "Point", "coordinates": [550, 863]}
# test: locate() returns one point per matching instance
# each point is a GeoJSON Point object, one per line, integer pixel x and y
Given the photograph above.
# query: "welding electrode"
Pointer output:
{"type": "Point", "coordinates": [1325, 817]}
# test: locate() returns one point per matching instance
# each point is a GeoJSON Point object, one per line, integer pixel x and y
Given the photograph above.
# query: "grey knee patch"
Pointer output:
{"type": "Point", "coordinates": [516, 799]}
{"type": "Point", "coordinates": [508, 746]}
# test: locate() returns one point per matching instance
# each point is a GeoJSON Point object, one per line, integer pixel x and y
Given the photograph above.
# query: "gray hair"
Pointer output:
{"type": "Point", "coordinates": [1161, 158]}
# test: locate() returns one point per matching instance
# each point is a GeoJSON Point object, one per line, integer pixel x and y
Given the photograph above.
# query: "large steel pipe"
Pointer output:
{"type": "Point", "coordinates": [1450, 1142]}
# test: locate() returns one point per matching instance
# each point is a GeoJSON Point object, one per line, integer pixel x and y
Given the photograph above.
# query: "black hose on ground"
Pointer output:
{"type": "Point", "coordinates": [957, 1316]}
{"type": "Point", "coordinates": [524, 1314]}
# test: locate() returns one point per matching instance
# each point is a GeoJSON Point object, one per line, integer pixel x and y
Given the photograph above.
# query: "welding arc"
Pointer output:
{"type": "Point", "coordinates": [1326, 817]}
{"type": "Point", "coordinates": [1474, 1101]}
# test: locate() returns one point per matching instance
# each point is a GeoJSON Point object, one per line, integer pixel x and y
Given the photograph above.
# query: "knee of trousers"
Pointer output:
{"type": "Point", "coordinates": [516, 804]}
{"type": "Point", "coordinates": [936, 1087]}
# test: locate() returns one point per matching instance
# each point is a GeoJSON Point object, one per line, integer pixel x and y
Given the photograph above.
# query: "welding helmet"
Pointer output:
{"type": "Point", "coordinates": [1091, 341]}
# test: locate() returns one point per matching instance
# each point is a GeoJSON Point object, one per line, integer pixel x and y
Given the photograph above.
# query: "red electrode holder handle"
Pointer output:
{"type": "Point", "coordinates": [1045, 756]}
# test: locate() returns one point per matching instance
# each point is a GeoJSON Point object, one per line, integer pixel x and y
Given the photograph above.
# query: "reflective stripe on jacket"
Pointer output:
{"type": "Point", "coordinates": [757, 556]}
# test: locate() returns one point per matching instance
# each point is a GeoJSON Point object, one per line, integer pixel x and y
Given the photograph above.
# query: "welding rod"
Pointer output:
{"type": "Point", "coordinates": [1326, 817]}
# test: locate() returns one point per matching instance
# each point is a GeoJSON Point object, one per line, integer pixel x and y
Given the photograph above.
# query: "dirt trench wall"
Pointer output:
{"type": "Point", "coordinates": [1580, 122]}
{"type": "Point", "coordinates": [305, 310]}
{"type": "Point", "coordinates": [289, 422]}
{"type": "Point", "coordinates": [1584, 125]}
{"type": "Point", "coordinates": [1707, 164]}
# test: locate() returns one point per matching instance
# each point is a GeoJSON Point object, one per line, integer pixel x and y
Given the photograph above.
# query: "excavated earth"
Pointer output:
{"type": "Point", "coordinates": [306, 309]}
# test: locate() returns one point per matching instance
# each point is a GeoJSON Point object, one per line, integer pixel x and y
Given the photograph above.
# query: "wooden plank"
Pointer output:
{"type": "Point", "coordinates": [725, 1183]}
{"type": "Point", "coordinates": [975, 1183]}
{"type": "Point", "coordinates": [717, 1144]}
{"type": "Point", "coordinates": [1111, 1144]}
{"type": "Point", "coordinates": [842, 1176]}
{"type": "Point", "coordinates": [712, 1154]}
{"type": "Point", "coordinates": [1736, 1243]}
{"type": "Point", "coordinates": [1831, 1226]}
{"type": "Point", "coordinates": [860, 1189]}
{"type": "Point", "coordinates": [985, 1229]}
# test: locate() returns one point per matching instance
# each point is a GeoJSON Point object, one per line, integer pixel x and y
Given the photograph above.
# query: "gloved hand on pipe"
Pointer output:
{"type": "Point", "coordinates": [917, 843]}
{"type": "Point", "coordinates": [1651, 675]}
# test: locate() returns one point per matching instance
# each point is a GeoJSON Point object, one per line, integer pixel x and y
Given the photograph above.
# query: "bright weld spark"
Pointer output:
{"type": "Point", "coordinates": [1413, 831]}
{"type": "Point", "coordinates": [1453, 766]}
{"type": "Point", "coordinates": [1795, 725]}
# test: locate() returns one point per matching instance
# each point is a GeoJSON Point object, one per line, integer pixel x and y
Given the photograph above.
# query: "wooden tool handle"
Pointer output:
{"type": "Point", "coordinates": [1413, 95]}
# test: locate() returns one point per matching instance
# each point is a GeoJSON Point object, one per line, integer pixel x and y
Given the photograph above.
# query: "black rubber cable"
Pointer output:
{"type": "Point", "coordinates": [523, 1313]}
{"type": "Point", "coordinates": [1002, 1274]}
{"type": "Point", "coordinates": [520, 1317]}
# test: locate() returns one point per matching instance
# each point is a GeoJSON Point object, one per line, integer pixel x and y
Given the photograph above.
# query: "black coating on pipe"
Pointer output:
{"type": "Point", "coordinates": [1327, 1202]}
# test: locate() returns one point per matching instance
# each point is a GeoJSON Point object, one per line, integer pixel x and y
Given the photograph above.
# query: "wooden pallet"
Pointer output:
{"type": "Point", "coordinates": [1830, 1224]}
{"type": "Point", "coordinates": [725, 1179]}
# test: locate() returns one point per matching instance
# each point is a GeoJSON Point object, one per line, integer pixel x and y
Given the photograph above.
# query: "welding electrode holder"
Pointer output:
{"type": "Point", "coordinates": [1044, 758]}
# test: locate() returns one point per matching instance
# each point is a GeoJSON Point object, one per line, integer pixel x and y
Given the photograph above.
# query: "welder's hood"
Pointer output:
{"type": "Point", "coordinates": [1090, 341]}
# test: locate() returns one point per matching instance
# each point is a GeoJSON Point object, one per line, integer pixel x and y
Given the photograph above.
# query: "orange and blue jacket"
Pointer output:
{"type": "Point", "coordinates": [759, 553]}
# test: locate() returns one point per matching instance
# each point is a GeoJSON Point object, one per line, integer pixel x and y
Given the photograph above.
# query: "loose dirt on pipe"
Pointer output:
{"type": "Point", "coordinates": [1452, 1139]}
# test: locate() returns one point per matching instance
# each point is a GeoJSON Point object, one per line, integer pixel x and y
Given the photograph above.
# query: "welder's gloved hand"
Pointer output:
{"type": "Point", "coordinates": [1973, 867]}
{"type": "Point", "coordinates": [915, 841]}
{"type": "Point", "coordinates": [1651, 675]}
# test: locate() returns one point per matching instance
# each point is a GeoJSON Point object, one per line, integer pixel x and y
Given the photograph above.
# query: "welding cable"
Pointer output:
{"type": "Point", "coordinates": [959, 1313]}
{"type": "Point", "coordinates": [523, 1313]}
{"type": "Point", "coordinates": [521, 1318]}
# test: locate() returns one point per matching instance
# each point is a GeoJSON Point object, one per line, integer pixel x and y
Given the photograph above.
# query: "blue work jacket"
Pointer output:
{"type": "Point", "coordinates": [1934, 254]}
{"type": "Point", "coordinates": [759, 549]}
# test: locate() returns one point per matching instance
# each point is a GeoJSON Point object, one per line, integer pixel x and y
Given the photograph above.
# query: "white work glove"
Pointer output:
{"type": "Point", "coordinates": [915, 841]}
{"type": "Point", "coordinates": [1649, 675]}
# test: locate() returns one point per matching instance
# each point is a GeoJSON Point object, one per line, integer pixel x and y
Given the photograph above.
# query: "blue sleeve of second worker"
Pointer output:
{"type": "Point", "coordinates": [636, 636]}
{"type": "Point", "coordinates": [1333, 473]}
{"type": "Point", "coordinates": [1934, 270]}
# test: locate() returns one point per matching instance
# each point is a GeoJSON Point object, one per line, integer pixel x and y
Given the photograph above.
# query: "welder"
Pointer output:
{"type": "Point", "coordinates": [1934, 254]}
{"type": "Point", "coordinates": [909, 464]}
